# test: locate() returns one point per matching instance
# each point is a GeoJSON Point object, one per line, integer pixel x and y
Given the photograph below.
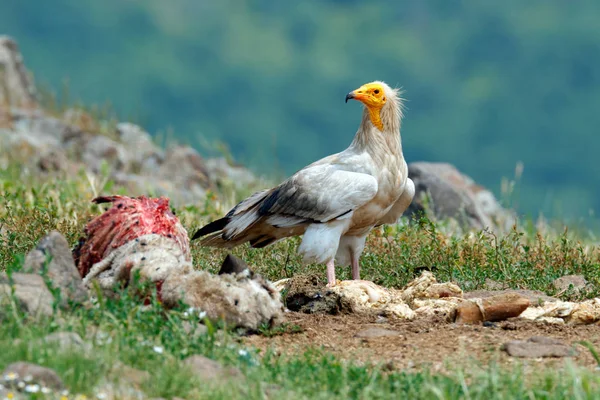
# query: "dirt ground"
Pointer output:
{"type": "Point", "coordinates": [422, 344]}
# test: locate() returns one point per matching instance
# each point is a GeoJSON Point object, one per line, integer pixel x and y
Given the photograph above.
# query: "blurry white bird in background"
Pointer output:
{"type": "Point", "coordinates": [336, 201]}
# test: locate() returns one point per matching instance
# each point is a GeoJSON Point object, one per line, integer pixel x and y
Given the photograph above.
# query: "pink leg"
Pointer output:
{"type": "Point", "coordinates": [330, 273]}
{"type": "Point", "coordinates": [355, 268]}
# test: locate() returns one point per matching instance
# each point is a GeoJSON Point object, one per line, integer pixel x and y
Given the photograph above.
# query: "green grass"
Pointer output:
{"type": "Point", "coordinates": [123, 332]}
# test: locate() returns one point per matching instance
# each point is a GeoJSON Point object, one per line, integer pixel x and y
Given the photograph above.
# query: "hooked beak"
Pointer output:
{"type": "Point", "coordinates": [357, 94]}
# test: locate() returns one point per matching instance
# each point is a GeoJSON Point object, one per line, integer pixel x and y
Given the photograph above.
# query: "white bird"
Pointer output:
{"type": "Point", "coordinates": [333, 202]}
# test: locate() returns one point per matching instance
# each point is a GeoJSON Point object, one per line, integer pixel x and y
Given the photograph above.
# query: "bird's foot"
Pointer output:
{"type": "Point", "coordinates": [331, 284]}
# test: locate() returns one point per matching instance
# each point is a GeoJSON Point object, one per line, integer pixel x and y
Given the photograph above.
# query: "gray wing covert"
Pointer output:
{"type": "Point", "coordinates": [320, 193]}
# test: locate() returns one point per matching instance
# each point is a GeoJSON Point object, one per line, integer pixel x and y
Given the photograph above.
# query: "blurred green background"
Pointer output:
{"type": "Point", "coordinates": [488, 83]}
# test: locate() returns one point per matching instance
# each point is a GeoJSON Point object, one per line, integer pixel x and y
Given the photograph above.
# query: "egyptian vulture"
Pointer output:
{"type": "Point", "coordinates": [333, 202]}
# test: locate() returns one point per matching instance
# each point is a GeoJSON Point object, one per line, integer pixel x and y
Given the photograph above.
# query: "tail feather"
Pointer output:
{"type": "Point", "coordinates": [214, 226]}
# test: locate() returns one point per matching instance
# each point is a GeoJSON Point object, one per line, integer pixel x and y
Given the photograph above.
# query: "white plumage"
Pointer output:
{"type": "Point", "coordinates": [335, 201]}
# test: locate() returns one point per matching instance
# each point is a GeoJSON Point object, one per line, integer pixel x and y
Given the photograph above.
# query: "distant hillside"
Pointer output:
{"type": "Point", "coordinates": [488, 84]}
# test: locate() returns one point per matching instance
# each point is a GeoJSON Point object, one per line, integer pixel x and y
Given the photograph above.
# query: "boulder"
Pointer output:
{"type": "Point", "coordinates": [494, 308]}
{"type": "Point", "coordinates": [30, 292]}
{"type": "Point", "coordinates": [443, 192]}
{"type": "Point", "coordinates": [144, 155]}
{"type": "Point", "coordinates": [211, 371]}
{"type": "Point", "coordinates": [16, 84]}
{"type": "Point", "coordinates": [185, 166]}
{"type": "Point", "coordinates": [52, 256]}
{"type": "Point", "coordinates": [35, 374]}
{"type": "Point", "coordinates": [372, 333]}
{"type": "Point", "coordinates": [100, 149]}
{"type": "Point", "coordinates": [66, 341]}
{"type": "Point", "coordinates": [223, 173]}
{"type": "Point", "coordinates": [575, 283]}
{"type": "Point", "coordinates": [538, 347]}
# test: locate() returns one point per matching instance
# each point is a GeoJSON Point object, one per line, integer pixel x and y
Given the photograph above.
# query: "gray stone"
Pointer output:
{"type": "Point", "coordinates": [210, 371]}
{"type": "Point", "coordinates": [144, 154]}
{"type": "Point", "coordinates": [538, 347]}
{"type": "Point", "coordinates": [576, 283]}
{"type": "Point", "coordinates": [53, 256]}
{"type": "Point", "coordinates": [16, 82]}
{"type": "Point", "coordinates": [185, 166]}
{"type": "Point", "coordinates": [222, 172]}
{"type": "Point", "coordinates": [195, 329]}
{"type": "Point", "coordinates": [100, 149]}
{"type": "Point", "coordinates": [67, 341]}
{"type": "Point", "coordinates": [495, 285]}
{"type": "Point", "coordinates": [446, 193]}
{"type": "Point", "coordinates": [130, 375]}
{"type": "Point", "coordinates": [376, 333]}
{"type": "Point", "coordinates": [30, 292]}
{"type": "Point", "coordinates": [40, 375]}
{"type": "Point", "coordinates": [44, 128]}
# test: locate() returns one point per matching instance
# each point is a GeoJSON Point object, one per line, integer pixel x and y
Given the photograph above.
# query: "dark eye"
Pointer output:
{"type": "Point", "coordinates": [376, 91]}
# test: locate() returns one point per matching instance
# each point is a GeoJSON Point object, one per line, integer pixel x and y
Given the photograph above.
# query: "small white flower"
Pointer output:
{"type": "Point", "coordinates": [202, 314]}
{"type": "Point", "coordinates": [21, 385]}
{"type": "Point", "coordinates": [46, 390]}
{"type": "Point", "coordinates": [101, 396]}
{"type": "Point", "coordinates": [186, 314]}
{"type": "Point", "coordinates": [1, 387]}
{"type": "Point", "coordinates": [64, 393]}
{"type": "Point", "coordinates": [243, 353]}
{"type": "Point", "coordinates": [32, 388]}
{"type": "Point", "coordinates": [158, 349]}
{"type": "Point", "coordinates": [28, 378]}
{"type": "Point", "coordinates": [190, 310]}
{"type": "Point", "coordinates": [11, 376]}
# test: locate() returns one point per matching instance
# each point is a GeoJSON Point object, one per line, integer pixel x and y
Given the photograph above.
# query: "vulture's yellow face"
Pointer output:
{"type": "Point", "coordinates": [372, 95]}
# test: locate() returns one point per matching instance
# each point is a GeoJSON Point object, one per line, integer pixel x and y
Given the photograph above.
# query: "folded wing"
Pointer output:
{"type": "Point", "coordinates": [316, 194]}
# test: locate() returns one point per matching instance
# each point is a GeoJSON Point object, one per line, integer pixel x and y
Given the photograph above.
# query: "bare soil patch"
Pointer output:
{"type": "Point", "coordinates": [422, 343]}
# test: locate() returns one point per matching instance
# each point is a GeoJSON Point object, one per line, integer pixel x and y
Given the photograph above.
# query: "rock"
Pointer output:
{"type": "Point", "coordinates": [135, 377]}
{"type": "Point", "coordinates": [67, 341]}
{"type": "Point", "coordinates": [535, 297]}
{"type": "Point", "coordinates": [144, 154]}
{"type": "Point", "coordinates": [495, 308]}
{"type": "Point", "coordinates": [15, 80]}
{"type": "Point", "coordinates": [211, 371]}
{"type": "Point", "coordinates": [538, 347]}
{"type": "Point", "coordinates": [40, 375]}
{"type": "Point", "coordinates": [223, 173]}
{"type": "Point", "coordinates": [45, 129]}
{"type": "Point", "coordinates": [30, 291]}
{"type": "Point", "coordinates": [185, 166]}
{"type": "Point", "coordinates": [468, 313]}
{"type": "Point", "coordinates": [100, 149]}
{"type": "Point", "coordinates": [194, 329]}
{"type": "Point", "coordinates": [576, 283]}
{"type": "Point", "coordinates": [52, 160]}
{"type": "Point", "coordinates": [495, 285]}
{"type": "Point", "coordinates": [52, 256]}
{"type": "Point", "coordinates": [441, 189]}
{"type": "Point", "coordinates": [376, 333]}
